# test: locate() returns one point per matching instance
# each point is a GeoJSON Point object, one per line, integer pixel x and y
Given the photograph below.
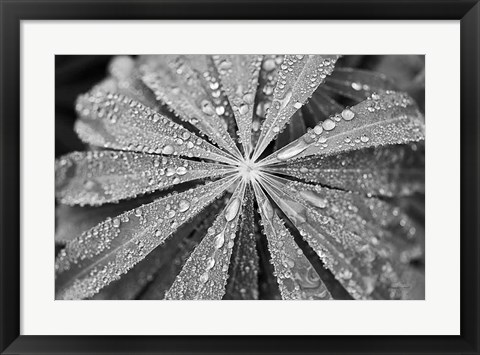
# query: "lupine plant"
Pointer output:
{"type": "Point", "coordinates": [243, 177]}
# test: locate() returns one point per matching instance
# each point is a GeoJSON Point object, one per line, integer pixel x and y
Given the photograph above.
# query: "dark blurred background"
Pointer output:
{"type": "Point", "coordinates": [74, 74]}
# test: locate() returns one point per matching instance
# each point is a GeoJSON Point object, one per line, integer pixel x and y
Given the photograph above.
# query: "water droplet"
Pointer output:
{"type": "Point", "coordinates": [219, 240]}
{"type": "Point", "coordinates": [269, 64]}
{"type": "Point", "coordinates": [292, 150]}
{"type": "Point", "coordinates": [181, 170]}
{"type": "Point", "coordinates": [267, 209]}
{"type": "Point", "coordinates": [232, 209]}
{"type": "Point", "coordinates": [348, 114]}
{"type": "Point", "coordinates": [204, 277]}
{"type": "Point", "coordinates": [158, 233]}
{"type": "Point", "coordinates": [243, 109]}
{"type": "Point", "coordinates": [357, 86]}
{"type": "Point", "coordinates": [314, 198]}
{"type": "Point", "coordinates": [249, 98]}
{"type": "Point", "coordinates": [286, 99]}
{"type": "Point", "coordinates": [318, 129]}
{"type": "Point", "coordinates": [225, 65]}
{"type": "Point", "coordinates": [220, 110]}
{"type": "Point", "coordinates": [364, 139]}
{"type": "Point", "coordinates": [328, 124]}
{"type": "Point", "coordinates": [297, 105]}
{"type": "Point", "coordinates": [207, 108]}
{"type": "Point", "coordinates": [89, 184]}
{"type": "Point", "coordinates": [289, 262]}
{"type": "Point", "coordinates": [168, 149]}
{"type": "Point", "coordinates": [183, 205]}
{"type": "Point", "coordinates": [210, 263]}
{"type": "Point", "coordinates": [369, 283]}
{"type": "Point", "coordinates": [116, 222]}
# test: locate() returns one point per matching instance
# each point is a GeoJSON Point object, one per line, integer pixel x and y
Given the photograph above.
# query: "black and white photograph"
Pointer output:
{"type": "Point", "coordinates": [239, 177]}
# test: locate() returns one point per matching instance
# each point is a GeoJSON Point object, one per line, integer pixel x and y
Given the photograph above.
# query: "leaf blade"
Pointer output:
{"type": "Point", "coordinates": [71, 221]}
{"type": "Point", "coordinates": [114, 121]}
{"type": "Point", "coordinates": [182, 87]}
{"type": "Point", "coordinates": [147, 279]}
{"type": "Point", "coordinates": [165, 277]}
{"type": "Point", "coordinates": [357, 84]}
{"type": "Point", "coordinates": [205, 273]}
{"type": "Point", "coordinates": [350, 239]}
{"type": "Point", "coordinates": [385, 118]}
{"type": "Point", "coordinates": [99, 177]}
{"type": "Point", "coordinates": [382, 171]}
{"type": "Point", "coordinates": [298, 78]}
{"type": "Point", "coordinates": [103, 253]}
{"type": "Point", "coordinates": [296, 277]}
{"type": "Point", "coordinates": [239, 78]}
{"type": "Point", "coordinates": [267, 79]}
{"type": "Point", "coordinates": [243, 280]}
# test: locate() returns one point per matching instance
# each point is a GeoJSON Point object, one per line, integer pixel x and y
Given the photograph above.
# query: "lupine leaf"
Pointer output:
{"type": "Point", "coordinates": [386, 118]}
{"type": "Point", "coordinates": [267, 79]}
{"type": "Point", "coordinates": [98, 177]}
{"type": "Point", "coordinates": [126, 80]}
{"type": "Point", "coordinates": [346, 231]}
{"type": "Point", "coordinates": [115, 121]}
{"type": "Point", "coordinates": [389, 171]}
{"type": "Point", "coordinates": [71, 221]}
{"type": "Point", "coordinates": [204, 64]}
{"type": "Point", "coordinates": [205, 273]}
{"type": "Point", "coordinates": [296, 277]}
{"type": "Point", "coordinates": [298, 78]}
{"type": "Point", "coordinates": [189, 94]}
{"type": "Point", "coordinates": [103, 253]}
{"type": "Point", "coordinates": [357, 84]}
{"type": "Point", "coordinates": [130, 285]}
{"type": "Point", "coordinates": [169, 248]}
{"type": "Point", "coordinates": [267, 282]}
{"type": "Point", "coordinates": [171, 267]}
{"type": "Point", "coordinates": [243, 281]}
{"type": "Point", "coordinates": [139, 281]}
{"type": "Point", "coordinates": [239, 78]}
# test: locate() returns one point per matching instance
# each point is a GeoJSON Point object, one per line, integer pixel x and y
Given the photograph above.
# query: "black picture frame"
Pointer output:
{"type": "Point", "coordinates": [14, 11]}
